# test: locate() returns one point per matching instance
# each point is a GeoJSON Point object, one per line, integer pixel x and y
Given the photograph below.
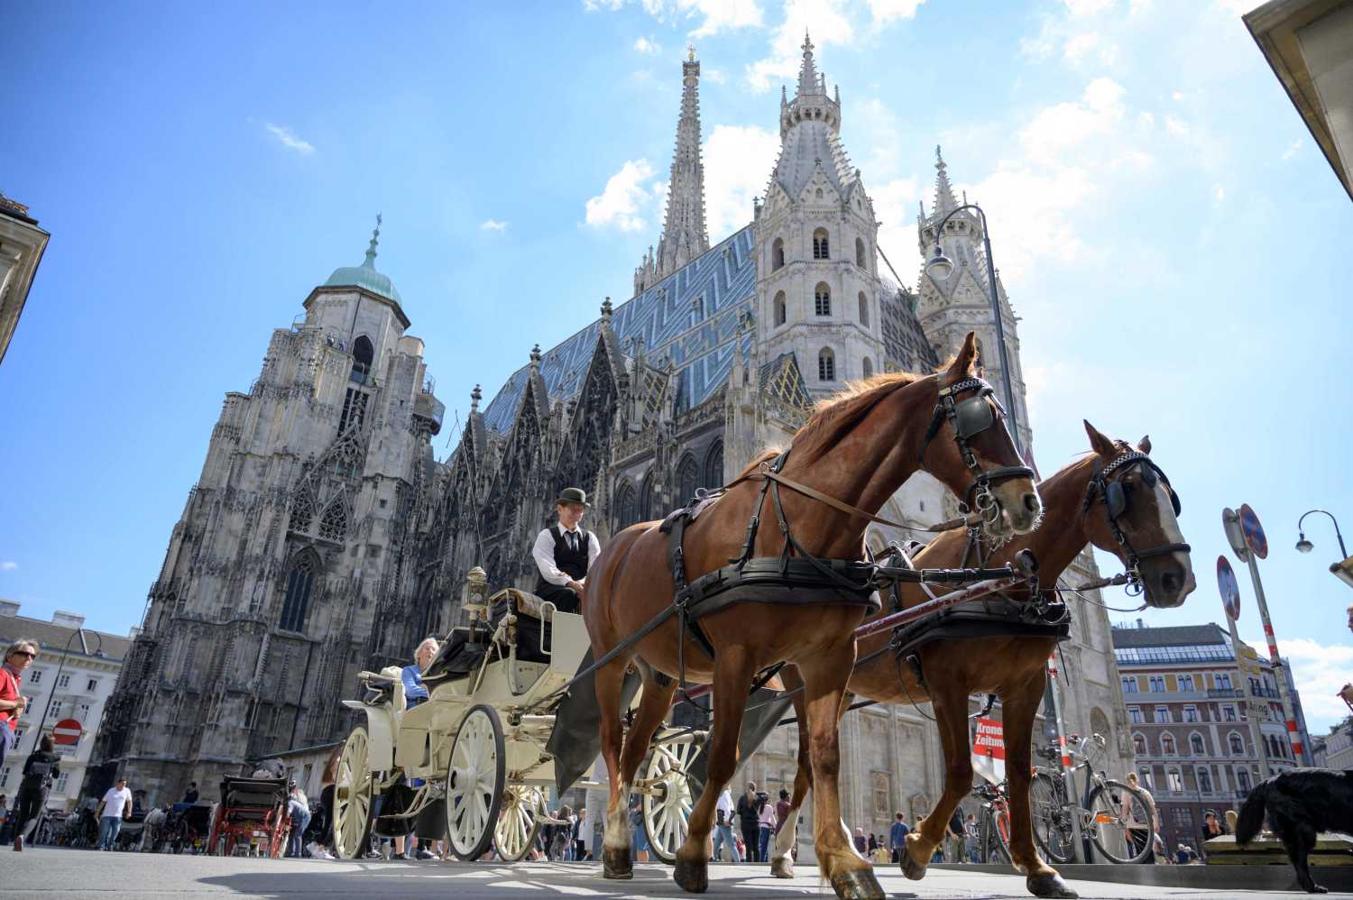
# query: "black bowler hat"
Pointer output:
{"type": "Point", "coordinates": [573, 495]}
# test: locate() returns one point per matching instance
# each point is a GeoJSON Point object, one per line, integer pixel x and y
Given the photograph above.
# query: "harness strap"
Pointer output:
{"type": "Point", "coordinates": [848, 509]}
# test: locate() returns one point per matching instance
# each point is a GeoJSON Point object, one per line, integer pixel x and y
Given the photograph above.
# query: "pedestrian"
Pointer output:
{"type": "Point", "coordinates": [747, 821]}
{"type": "Point", "coordinates": [861, 844]}
{"type": "Point", "coordinates": [190, 795]}
{"type": "Point", "coordinates": [39, 771]}
{"type": "Point", "coordinates": [18, 656]}
{"type": "Point", "coordinates": [115, 806]}
{"type": "Point", "coordinates": [873, 844]}
{"type": "Point", "coordinates": [4, 819]}
{"type": "Point", "coordinates": [560, 838]}
{"type": "Point", "coordinates": [638, 835]}
{"type": "Point", "coordinates": [897, 837]}
{"type": "Point", "coordinates": [972, 838]}
{"type": "Point", "coordinates": [723, 827]}
{"type": "Point", "coordinates": [782, 808]}
{"type": "Point", "coordinates": [765, 822]}
{"type": "Point", "coordinates": [954, 836]}
{"type": "Point", "coordinates": [586, 822]}
{"type": "Point", "coordinates": [319, 848]}
{"type": "Point", "coordinates": [298, 808]}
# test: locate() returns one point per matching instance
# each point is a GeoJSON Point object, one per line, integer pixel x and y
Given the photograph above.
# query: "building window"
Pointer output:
{"type": "Point", "coordinates": [362, 355]}
{"type": "Point", "coordinates": [864, 310]}
{"type": "Point", "coordinates": [1190, 714]}
{"type": "Point", "coordinates": [1196, 744]}
{"type": "Point", "coordinates": [714, 466]}
{"type": "Point", "coordinates": [1224, 681]}
{"type": "Point", "coordinates": [92, 686]}
{"type": "Point", "coordinates": [64, 680]}
{"type": "Point", "coordinates": [1237, 744]}
{"type": "Point", "coordinates": [626, 505]}
{"type": "Point", "coordinates": [334, 525]}
{"type": "Point", "coordinates": [648, 499]}
{"type": "Point", "coordinates": [867, 367]}
{"type": "Point", "coordinates": [354, 411]}
{"type": "Point", "coordinates": [1157, 684]}
{"type": "Point", "coordinates": [822, 299]}
{"type": "Point", "coordinates": [1204, 780]}
{"type": "Point", "coordinates": [54, 710]}
{"type": "Point", "coordinates": [1135, 714]}
{"type": "Point", "coordinates": [826, 365]}
{"type": "Point", "coordinates": [1144, 775]}
{"type": "Point", "coordinates": [1162, 715]}
{"type": "Point", "coordinates": [1228, 713]}
{"type": "Point", "coordinates": [780, 315]}
{"type": "Point", "coordinates": [1129, 684]}
{"type": "Point", "coordinates": [302, 512]}
{"type": "Point", "coordinates": [1243, 779]}
{"type": "Point", "coordinates": [777, 254]}
{"type": "Point", "coordinates": [1186, 682]}
{"type": "Point", "coordinates": [1174, 780]}
{"type": "Point", "coordinates": [83, 715]}
{"type": "Point", "coordinates": [300, 583]}
{"type": "Point", "coordinates": [883, 794]}
{"type": "Point", "coordinates": [860, 253]}
{"type": "Point", "coordinates": [4, 774]}
{"type": "Point", "coordinates": [61, 783]}
{"type": "Point", "coordinates": [34, 677]}
{"type": "Point", "coordinates": [1167, 745]}
{"type": "Point", "coordinates": [688, 479]}
{"type": "Point", "coordinates": [1139, 745]}
{"type": "Point", "coordinates": [820, 244]}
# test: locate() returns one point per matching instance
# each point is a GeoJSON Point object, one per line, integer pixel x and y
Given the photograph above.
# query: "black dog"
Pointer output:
{"type": "Point", "coordinates": [1299, 804]}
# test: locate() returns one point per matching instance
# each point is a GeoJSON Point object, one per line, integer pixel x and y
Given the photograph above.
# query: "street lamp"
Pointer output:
{"type": "Point", "coordinates": [1342, 570]}
{"type": "Point", "coordinates": [56, 680]}
{"type": "Point", "coordinates": [939, 266]}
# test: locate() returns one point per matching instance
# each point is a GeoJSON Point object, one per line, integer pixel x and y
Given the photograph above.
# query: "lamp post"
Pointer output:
{"type": "Point", "coordinates": [1342, 570]}
{"type": "Point", "coordinates": [56, 680]}
{"type": "Point", "coordinates": [940, 266]}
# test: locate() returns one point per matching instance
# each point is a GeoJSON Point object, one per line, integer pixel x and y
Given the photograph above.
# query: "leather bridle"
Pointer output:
{"type": "Point", "coordinates": [1107, 487]}
{"type": "Point", "coordinates": [969, 418]}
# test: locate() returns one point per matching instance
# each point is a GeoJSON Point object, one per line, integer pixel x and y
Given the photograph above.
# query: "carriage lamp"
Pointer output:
{"type": "Point", "coordinates": [940, 265]}
{"type": "Point", "coordinates": [1342, 570]}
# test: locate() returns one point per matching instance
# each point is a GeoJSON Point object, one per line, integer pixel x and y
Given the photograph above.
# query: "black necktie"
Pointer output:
{"type": "Point", "coordinates": [573, 542]}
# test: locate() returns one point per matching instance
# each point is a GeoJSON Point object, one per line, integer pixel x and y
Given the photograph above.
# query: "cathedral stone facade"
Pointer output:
{"type": "Point", "coordinates": [322, 523]}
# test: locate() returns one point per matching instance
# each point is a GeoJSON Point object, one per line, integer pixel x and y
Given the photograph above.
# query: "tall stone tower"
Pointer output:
{"type": "Point", "coordinates": [817, 286]}
{"type": "Point", "coordinates": [951, 306]}
{"type": "Point", "coordinates": [292, 566]}
{"type": "Point", "coordinates": [683, 232]}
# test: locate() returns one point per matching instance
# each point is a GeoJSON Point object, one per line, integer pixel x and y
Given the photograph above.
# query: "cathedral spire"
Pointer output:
{"type": "Point", "coordinates": [370, 261]}
{"type": "Point", "coordinates": [809, 81]}
{"type": "Point", "coordinates": [944, 193]}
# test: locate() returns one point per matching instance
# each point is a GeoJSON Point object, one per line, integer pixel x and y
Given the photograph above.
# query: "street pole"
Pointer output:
{"type": "Point", "coordinates": [1064, 762]}
{"type": "Point", "coordinates": [1251, 707]}
{"type": "Point", "coordinates": [1298, 749]}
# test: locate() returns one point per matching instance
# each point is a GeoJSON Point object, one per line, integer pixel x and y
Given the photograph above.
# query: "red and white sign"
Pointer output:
{"type": "Point", "coordinates": [67, 732]}
{"type": "Point", "coordinates": [988, 750]}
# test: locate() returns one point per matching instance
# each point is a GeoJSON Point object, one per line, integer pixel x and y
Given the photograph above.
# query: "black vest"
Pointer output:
{"type": "Point", "coordinates": [571, 562]}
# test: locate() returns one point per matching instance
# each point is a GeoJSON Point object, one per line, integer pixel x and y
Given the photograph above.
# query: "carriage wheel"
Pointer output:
{"type": "Point", "coordinates": [518, 822]}
{"type": "Point", "coordinates": [213, 847]}
{"type": "Point", "coordinates": [281, 830]}
{"type": "Point", "coordinates": [667, 802]}
{"type": "Point", "coordinates": [351, 813]}
{"type": "Point", "coordinates": [475, 783]}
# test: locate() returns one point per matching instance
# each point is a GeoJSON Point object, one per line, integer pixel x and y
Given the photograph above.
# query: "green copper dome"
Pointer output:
{"type": "Point", "coordinates": [365, 276]}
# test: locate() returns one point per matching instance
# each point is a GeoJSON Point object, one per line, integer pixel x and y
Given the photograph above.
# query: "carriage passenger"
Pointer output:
{"type": "Point", "coordinates": [564, 551]}
{"type": "Point", "coordinates": [415, 692]}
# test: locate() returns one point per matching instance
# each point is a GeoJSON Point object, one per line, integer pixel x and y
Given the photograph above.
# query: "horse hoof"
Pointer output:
{"type": "Point", "coordinates": [691, 876]}
{"type": "Point", "coordinates": [616, 864]}
{"type": "Point", "coordinates": [783, 867]}
{"type": "Point", "coordinates": [1049, 885]}
{"type": "Point", "coordinates": [858, 884]}
{"type": "Point", "coordinates": [911, 868]}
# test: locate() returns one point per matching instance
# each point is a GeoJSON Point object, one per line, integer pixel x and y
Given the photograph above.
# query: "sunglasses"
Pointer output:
{"type": "Point", "coordinates": [26, 653]}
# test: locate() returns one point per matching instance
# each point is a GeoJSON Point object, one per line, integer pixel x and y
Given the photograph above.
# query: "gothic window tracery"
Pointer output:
{"type": "Point", "coordinates": [300, 585]}
{"type": "Point", "coordinates": [354, 409]}
{"type": "Point", "coordinates": [777, 254]}
{"type": "Point", "coordinates": [688, 478]}
{"type": "Point", "coordinates": [822, 299]}
{"type": "Point", "coordinates": [334, 524]}
{"type": "Point", "coordinates": [626, 505]}
{"type": "Point", "coordinates": [820, 248]}
{"type": "Point", "coordinates": [302, 511]}
{"type": "Point", "coordinates": [714, 466]}
{"type": "Point", "coordinates": [346, 460]}
{"type": "Point", "coordinates": [649, 504]}
{"type": "Point", "coordinates": [780, 314]}
{"type": "Point", "coordinates": [826, 365]}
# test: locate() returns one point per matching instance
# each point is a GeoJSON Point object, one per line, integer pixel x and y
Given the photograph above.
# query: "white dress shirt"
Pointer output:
{"type": "Point", "coordinates": [543, 553]}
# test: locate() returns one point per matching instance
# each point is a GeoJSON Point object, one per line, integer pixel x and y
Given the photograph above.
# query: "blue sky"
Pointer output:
{"type": "Point", "coordinates": [1174, 242]}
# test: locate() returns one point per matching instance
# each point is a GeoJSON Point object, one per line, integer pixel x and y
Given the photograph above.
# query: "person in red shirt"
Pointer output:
{"type": "Point", "coordinates": [18, 656]}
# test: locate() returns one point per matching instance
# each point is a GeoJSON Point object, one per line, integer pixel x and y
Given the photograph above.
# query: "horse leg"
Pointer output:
{"type": "Point", "coordinates": [1019, 706]}
{"type": "Point", "coordinates": [653, 708]}
{"type": "Point", "coordinates": [950, 701]}
{"type": "Point", "coordinates": [781, 861]}
{"type": "Point", "coordinates": [615, 854]}
{"type": "Point", "coordinates": [733, 670]}
{"type": "Point", "coordinates": [825, 675]}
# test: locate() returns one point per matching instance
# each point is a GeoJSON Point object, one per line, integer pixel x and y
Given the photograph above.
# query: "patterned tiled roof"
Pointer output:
{"type": "Point", "coordinates": [691, 317]}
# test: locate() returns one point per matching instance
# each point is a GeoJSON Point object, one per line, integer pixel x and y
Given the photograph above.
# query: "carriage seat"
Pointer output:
{"type": "Point", "coordinates": [460, 654]}
{"type": "Point", "coordinates": [252, 798]}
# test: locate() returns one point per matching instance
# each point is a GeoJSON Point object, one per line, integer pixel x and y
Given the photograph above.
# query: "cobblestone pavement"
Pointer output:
{"type": "Point", "coordinates": [48, 872]}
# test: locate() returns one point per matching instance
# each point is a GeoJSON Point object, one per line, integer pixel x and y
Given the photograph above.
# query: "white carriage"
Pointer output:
{"type": "Point", "coordinates": [472, 764]}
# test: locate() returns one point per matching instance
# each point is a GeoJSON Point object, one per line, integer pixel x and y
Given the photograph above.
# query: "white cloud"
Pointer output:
{"type": "Point", "coordinates": [1319, 670]}
{"type": "Point", "coordinates": [1177, 96]}
{"type": "Point", "coordinates": [594, 5]}
{"type": "Point", "coordinates": [1058, 128]}
{"type": "Point", "coordinates": [885, 11]}
{"type": "Point", "coordinates": [895, 205]}
{"type": "Point", "coordinates": [8, 565]}
{"type": "Point", "coordinates": [1292, 149]}
{"type": "Point", "coordinates": [1176, 127]}
{"type": "Point", "coordinates": [492, 225]}
{"type": "Point", "coordinates": [714, 76]}
{"type": "Point", "coordinates": [1090, 46]}
{"type": "Point", "coordinates": [287, 138]}
{"type": "Point", "coordinates": [716, 15]}
{"type": "Point", "coordinates": [647, 46]}
{"type": "Point", "coordinates": [825, 19]}
{"type": "Point", "coordinates": [738, 162]}
{"type": "Point", "coordinates": [1219, 193]}
{"type": "Point", "coordinates": [624, 200]}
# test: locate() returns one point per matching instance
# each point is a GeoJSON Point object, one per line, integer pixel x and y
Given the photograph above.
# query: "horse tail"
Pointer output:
{"type": "Point", "coordinates": [1252, 814]}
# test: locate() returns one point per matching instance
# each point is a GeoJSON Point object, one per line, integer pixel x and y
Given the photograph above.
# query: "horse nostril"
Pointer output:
{"type": "Point", "coordinates": [1031, 503]}
{"type": "Point", "coordinates": [1171, 582]}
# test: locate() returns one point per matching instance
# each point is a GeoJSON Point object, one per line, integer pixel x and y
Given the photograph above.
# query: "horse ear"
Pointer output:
{"type": "Point", "coordinates": [962, 366]}
{"type": "Point", "coordinates": [1098, 442]}
{"type": "Point", "coordinates": [1144, 444]}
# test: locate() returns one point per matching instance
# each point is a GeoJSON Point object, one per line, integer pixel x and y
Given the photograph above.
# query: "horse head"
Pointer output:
{"type": "Point", "coordinates": [979, 461]}
{"type": "Point", "coordinates": [1132, 512]}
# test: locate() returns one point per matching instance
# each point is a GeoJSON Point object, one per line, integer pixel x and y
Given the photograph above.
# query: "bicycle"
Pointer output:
{"type": "Point", "coordinates": [994, 823]}
{"type": "Point", "coordinates": [1115, 817]}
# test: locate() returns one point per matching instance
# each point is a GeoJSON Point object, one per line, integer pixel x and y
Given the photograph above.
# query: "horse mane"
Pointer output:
{"type": "Point", "coordinates": [836, 415]}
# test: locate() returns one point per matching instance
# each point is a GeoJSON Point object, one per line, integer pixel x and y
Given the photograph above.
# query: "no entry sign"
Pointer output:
{"type": "Point", "coordinates": [67, 732]}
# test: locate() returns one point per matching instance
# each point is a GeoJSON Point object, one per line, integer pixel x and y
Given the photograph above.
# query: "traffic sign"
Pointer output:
{"type": "Point", "coordinates": [1253, 531]}
{"type": "Point", "coordinates": [1230, 523]}
{"type": "Point", "coordinates": [67, 732]}
{"type": "Point", "coordinates": [1229, 587]}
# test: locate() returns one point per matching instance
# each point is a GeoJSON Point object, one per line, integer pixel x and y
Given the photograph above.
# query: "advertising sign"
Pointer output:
{"type": "Point", "coordinates": [1230, 589]}
{"type": "Point", "coordinates": [988, 750]}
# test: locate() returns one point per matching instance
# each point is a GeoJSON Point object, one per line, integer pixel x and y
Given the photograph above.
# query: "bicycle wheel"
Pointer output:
{"type": "Point", "coordinates": [1051, 820]}
{"type": "Point", "coordinates": [998, 825]}
{"type": "Point", "coordinates": [1120, 822]}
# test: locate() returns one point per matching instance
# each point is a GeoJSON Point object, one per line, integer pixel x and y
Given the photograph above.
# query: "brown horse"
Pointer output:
{"type": "Point", "coordinates": [858, 449]}
{"type": "Point", "coordinates": [1076, 512]}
